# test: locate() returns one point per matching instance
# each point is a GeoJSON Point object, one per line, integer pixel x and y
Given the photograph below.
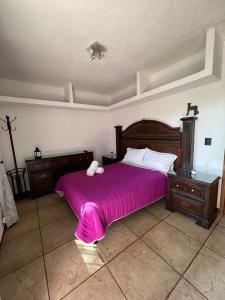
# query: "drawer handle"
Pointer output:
{"type": "Point", "coordinates": [185, 203]}
{"type": "Point", "coordinates": [43, 176]}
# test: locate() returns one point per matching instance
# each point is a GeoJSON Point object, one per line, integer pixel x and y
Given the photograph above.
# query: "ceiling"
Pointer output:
{"type": "Point", "coordinates": [45, 41]}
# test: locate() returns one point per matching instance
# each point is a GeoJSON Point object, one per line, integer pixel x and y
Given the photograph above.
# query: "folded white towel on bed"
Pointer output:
{"type": "Point", "coordinates": [91, 170]}
{"type": "Point", "coordinates": [99, 170]}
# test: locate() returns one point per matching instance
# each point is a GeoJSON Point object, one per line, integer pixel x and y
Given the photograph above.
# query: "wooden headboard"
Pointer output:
{"type": "Point", "coordinates": [160, 137]}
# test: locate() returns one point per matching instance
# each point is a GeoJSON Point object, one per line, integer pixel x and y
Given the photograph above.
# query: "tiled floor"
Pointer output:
{"type": "Point", "coordinates": [152, 254]}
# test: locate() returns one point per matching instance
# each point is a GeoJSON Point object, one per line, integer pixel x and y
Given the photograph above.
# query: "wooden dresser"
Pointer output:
{"type": "Point", "coordinates": [44, 173]}
{"type": "Point", "coordinates": [193, 195]}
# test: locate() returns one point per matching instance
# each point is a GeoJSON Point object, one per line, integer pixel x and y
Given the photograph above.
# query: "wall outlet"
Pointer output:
{"type": "Point", "coordinates": [208, 141]}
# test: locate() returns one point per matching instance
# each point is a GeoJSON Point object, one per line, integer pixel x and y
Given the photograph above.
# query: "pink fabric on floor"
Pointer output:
{"type": "Point", "coordinates": [101, 199]}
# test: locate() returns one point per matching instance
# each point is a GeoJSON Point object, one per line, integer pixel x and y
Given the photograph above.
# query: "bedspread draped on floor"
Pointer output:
{"type": "Point", "coordinates": [7, 203]}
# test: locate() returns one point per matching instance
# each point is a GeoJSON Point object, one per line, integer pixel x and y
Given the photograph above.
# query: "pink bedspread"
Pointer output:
{"type": "Point", "coordinates": [99, 200]}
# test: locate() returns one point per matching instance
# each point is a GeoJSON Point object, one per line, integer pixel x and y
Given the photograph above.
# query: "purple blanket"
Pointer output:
{"type": "Point", "coordinates": [99, 200]}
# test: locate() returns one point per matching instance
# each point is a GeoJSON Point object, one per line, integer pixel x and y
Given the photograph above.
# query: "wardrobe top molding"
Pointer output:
{"type": "Point", "coordinates": [152, 86]}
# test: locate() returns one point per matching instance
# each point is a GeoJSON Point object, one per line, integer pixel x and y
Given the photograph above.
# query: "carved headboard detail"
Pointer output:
{"type": "Point", "coordinates": [160, 137]}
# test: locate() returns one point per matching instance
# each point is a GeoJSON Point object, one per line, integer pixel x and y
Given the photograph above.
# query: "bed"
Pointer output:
{"type": "Point", "coordinates": [122, 189]}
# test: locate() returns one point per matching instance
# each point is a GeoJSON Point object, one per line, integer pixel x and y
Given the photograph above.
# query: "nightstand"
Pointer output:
{"type": "Point", "coordinates": [193, 195]}
{"type": "Point", "coordinates": [109, 159]}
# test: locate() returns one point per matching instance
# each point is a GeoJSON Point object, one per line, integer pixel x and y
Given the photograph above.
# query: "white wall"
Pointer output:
{"type": "Point", "coordinates": [55, 131]}
{"type": "Point", "coordinates": [31, 90]}
{"type": "Point", "coordinates": [211, 121]}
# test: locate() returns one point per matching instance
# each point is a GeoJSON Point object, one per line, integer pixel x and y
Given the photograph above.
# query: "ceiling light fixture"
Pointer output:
{"type": "Point", "coordinates": [96, 50]}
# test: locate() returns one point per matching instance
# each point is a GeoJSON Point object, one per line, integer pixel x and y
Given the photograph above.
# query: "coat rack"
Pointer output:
{"type": "Point", "coordinates": [16, 175]}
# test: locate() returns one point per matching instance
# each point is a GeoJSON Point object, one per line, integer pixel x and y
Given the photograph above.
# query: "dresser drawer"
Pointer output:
{"type": "Point", "coordinates": [43, 178]}
{"type": "Point", "coordinates": [84, 161]}
{"type": "Point", "coordinates": [187, 205]}
{"type": "Point", "coordinates": [41, 166]}
{"type": "Point", "coordinates": [66, 162]}
{"type": "Point", "coordinates": [42, 183]}
{"type": "Point", "coordinates": [85, 157]}
{"type": "Point", "coordinates": [73, 163]}
{"type": "Point", "coordinates": [188, 187]}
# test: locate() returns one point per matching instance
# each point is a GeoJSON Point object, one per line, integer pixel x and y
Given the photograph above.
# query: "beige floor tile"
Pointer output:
{"type": "Point", "coordinates": [188, 225]}
{"type": "Point", "coordinates": [140, 222]}
{"type": "Point", "coordinates": [101, 286]}
{"type": "Point", "coordinates": [69, 265]}
{"type": "Point", "coordinates": [54, 212]}
{"type": "Point", "coordinates": [57, 233]}
{"type": "Point", "coordinates": [25, 224]}
{"type": "Point", "coordinates": [158, 209]}
{"type": "Point", "coordinates": [216, 241]}
{"type": "Point", "coordinates": [20, 251]}
{"type": "Point", "coordinates": [142, 274]}
{"type": "Point", "coordinates": [26, 206]}
{"type": "Point", "coordinates": [222, 221]}
{"type": "Point", "coordinates": [118, 237]}
{"type": "Point", "coordinates": [185, 291]}
{"type": "Point", "coordinates": [207, 274]}
{"type": "Point", "coordinates": [28, 282]}
{"type": "Point", "coordinates": [175, 247]}
{"type": "Point", "coordinates": [48, 200]}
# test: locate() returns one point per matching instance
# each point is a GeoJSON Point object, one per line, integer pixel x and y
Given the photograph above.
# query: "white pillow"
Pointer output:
{"type": "Point", "coordinates": [134, 156]}
{"type": "Point", "coordinates": [158, 160]}
{"type": "Point", "coordinates": [171, 169]}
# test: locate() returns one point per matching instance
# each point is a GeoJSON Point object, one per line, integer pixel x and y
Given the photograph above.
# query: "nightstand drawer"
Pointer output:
{"type": "Point", "coordinates": [186, 204]}
{"type": "Point", "coordinates": [195, 190]}
{"type": "Point", "coordinates": [178, 185]}
{"type": "Point", "coordinates": [187, 187]}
